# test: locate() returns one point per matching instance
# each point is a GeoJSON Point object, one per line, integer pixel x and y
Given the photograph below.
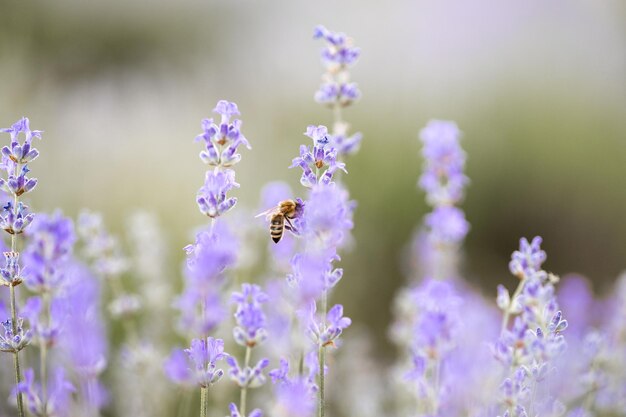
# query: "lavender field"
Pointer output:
{"type": "Point", "coordinates": [304, 209]}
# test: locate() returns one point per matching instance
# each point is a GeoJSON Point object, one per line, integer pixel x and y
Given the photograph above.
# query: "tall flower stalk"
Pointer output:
{"type": "Point", "coordinates": [47, 256]}
{"type": "Point", "coordinates": [15, 219]}
{"type": "Point", "coordinates": [530, 347]}
{"type": "Point", "coordinates": [337, 91]}
{"type": "Point", "coordinates": [325, 223]}
{"type": "Point", "coordinates": [249, 332]}
{"type": "Point", "coordinates": [213, 251]}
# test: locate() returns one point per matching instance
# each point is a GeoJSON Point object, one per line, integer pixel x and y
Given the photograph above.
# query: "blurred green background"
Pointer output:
{"type": "Point", "coordinates": [538, 88]}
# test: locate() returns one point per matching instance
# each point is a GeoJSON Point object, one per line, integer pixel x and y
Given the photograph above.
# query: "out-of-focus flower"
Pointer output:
{"type": "Point", "coordinates": [325, 331]}
{"type": "Point", "coordinates": [526, 261]}
{"type": "Point", "coordinates": [58, 394]}
{"type": "Point", "coordinates": [443, 178]}
{"type": "Point", "coordinates": [51, 244]}
{"type": "Point", "coordinates": [339, 50]}
{"type": "Point", "coordinates": [328, 216]}
{"type": "Point", "coordinates": [250, 329]}
{"type": "Point", "coordinates": [294, 398]}
{"type": "Point", "coordinates": [248, 376]}
{"type": "Point", "coordinates": [234, 412]}
{"type": "Point", "coordinates": [100, 248]}
{"type": "Point", "coordinates": [198, 364]}
{"type": "Point", "coordinates": [447, 225]}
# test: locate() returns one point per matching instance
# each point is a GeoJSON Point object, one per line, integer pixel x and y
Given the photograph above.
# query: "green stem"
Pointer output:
{"type": "Point", "coordinates": [507, 312]}
{"type": "Point", "coordinates": [43, 355]}
{"type": "Point", "coordinates": [436, 387]}
{"type": "Point", "coordinates": [244, 390]}
{"type": "Point", "coordinates": [204, 402]}
{"type": "Point", "coordinates": [16, 357]}
{"type": "Point", "coordinates": [322, 357]}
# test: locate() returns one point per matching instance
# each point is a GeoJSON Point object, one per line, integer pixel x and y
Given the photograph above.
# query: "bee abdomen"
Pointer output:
{"type": "Point", "coordinates": [277, 226]}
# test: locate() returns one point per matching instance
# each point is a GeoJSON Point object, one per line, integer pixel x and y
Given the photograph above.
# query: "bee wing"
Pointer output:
{"type": "Point", "coordinates": [267, 212]}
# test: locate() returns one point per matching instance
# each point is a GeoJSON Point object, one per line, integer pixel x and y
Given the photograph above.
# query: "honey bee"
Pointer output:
{"type": "Point", "coordinates": [280, 217]}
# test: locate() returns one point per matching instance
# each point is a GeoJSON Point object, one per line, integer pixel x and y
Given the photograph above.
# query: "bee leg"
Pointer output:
{"type": "Point", "coordinates": [289, 226]}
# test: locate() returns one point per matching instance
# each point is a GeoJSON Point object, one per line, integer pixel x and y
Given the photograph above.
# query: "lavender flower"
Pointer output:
{"type": "Point", "coordinates": [345, 144]}
{"type": "Point", "coordinates": [211, 198]}
{"type": "Point", "coordinates": [212, 253]}
{"type": "Point", "coordinates": [57, 399]}
{"type": "Point", "coordinates": [530, 348]}
{"type": "Point", "coordinates": [15, 221]}
{"type": "Point", "coordinates": [247, 376]}
{"type": "Point", "coordinates": [83, 341]}
{"type": "Point", "coordinates": [14, 340]}
{"type": "Point", "coordinates": [526, 262]}
{"type": "Point", "coordinates": [11, 273]}
{"type": "Point", "coordinates": [443, 178]}
{"type": "Point", "coordinates": [328, 216]}
{"type": "Point", "coordinates": [222, 142]}
{"type": "Point", "coordinates": [100, 248]}
{"type": "Point", "coordinates": [223, 139]}
{"type": "Point", "coordinates": [46, 254]}
{"type": "Point", "coordinates": [447, 225]}
{"type": "Point", "coordinates": [320, 156]}
{"type": "Point", "coordinates": [24, 152]}
{"type": "Point", "coordinates": [198, 364]}
{"type": "Point", "coordinates": [250, 318]}
{"type": "Point", "coordinates": [234, 412]}
{"type": "Point", "coordinates": [339, 50]}
{"type": "Point", "coordinates": [294, 399]}
{"type": "Point", "coordinates": [326, 332]}
{"type": "Point", "coordinates": [337, 56]}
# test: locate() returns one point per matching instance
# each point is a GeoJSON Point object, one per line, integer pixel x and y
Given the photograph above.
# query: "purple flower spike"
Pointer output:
{"type": "Point", "coordinates": [447, 225]}
{"type": "Point", "coordinates": [328, 215]}
{"type": "Point", "coordinates": [22, 126]}
{"type": "Point", "coordinates": [247, 377]}
{"type": "Point", "coordinates": [443, 178]}
{"type": "Point", "coordinates": [234, 412]}
{"type": "Point", "coordinates": [320, 156]}
{"type": "Point", "coordinates": [15, 221]}
{"type": "Point", "coordinates": [211, 198]}
{"type": "Point", "coordinates": [58, 394]}
{"type": "Point", "coordinates": [48, 252]}
{"type": "Point", "coordinates": [250, 329]}
{"type": "Point", "coordinates": [11, 273]}
{"type": "Point", "coordinates": [280, 374]}
{"type": "Point", "coordinates": [198, 364]}
{"type": "Point", "coordinates": [295, 399]}
{"type": "Point", "coordinates": [526, 261]}
{"type": "Point", "coordinates": [339, 50]}
{"type": "Point", "coordinates": [325, 333]}
{"type": "Point", "coordinates": [223, 140]}
{"type": "Point", "coordinates": [17, 183]}
{"type": "Point", "coordinates": [14, 341]}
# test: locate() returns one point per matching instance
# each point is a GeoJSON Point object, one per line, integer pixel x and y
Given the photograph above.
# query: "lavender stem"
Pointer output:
{"type": "Point", "coordinates": [244, 390]}
{"type": "Point", "coordinates": [16, 358]}
{"type": "Point", "coordinates": [507, 312]}
{"type": "Point", "coordinates": [322, 355]}
{"type": "Point", "coordinates": [204, 401]}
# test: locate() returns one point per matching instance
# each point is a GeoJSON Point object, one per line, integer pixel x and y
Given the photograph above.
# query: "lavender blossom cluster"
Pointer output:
{"type": "Point", "coordinates": [254, 330]}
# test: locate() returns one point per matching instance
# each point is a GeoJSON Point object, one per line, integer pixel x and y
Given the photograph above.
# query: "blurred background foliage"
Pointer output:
{"type": "Point", "coordinates": [538, 88]}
